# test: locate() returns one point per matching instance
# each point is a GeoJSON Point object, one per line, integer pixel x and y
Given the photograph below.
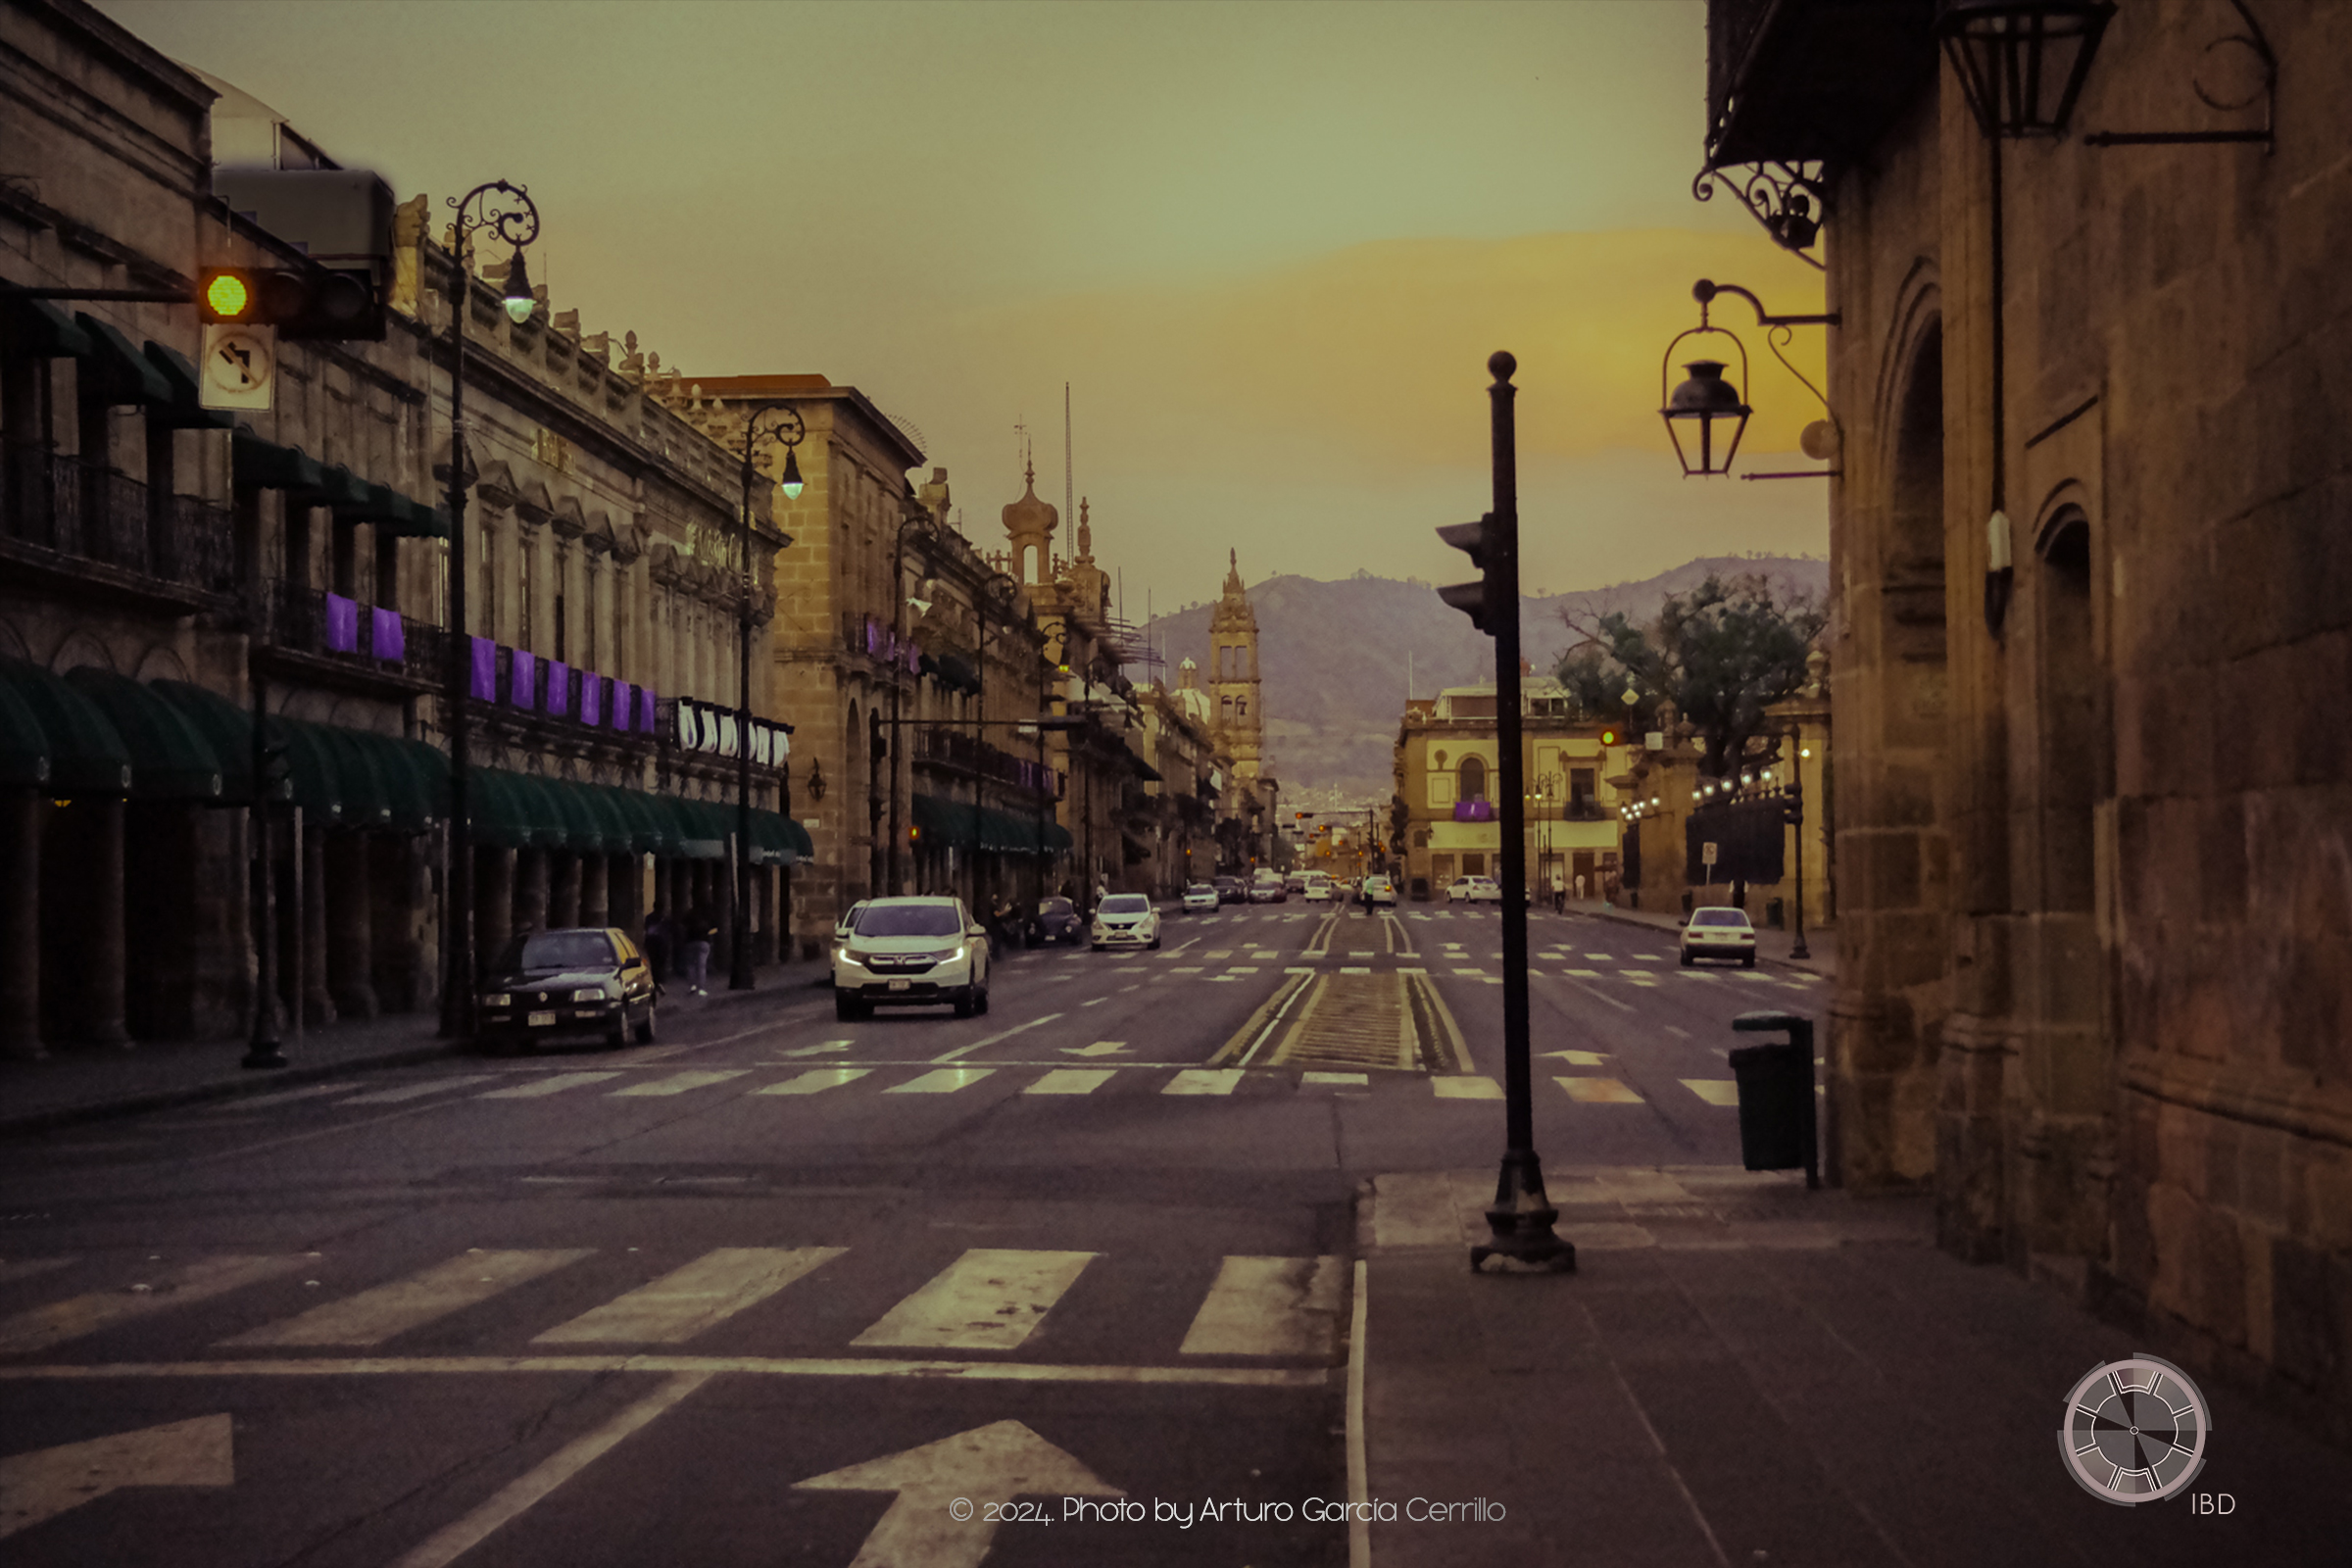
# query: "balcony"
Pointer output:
{"type": "Point", "coordinates": [1811, 80]}
{"type": "Point", "coordinates": [84, 525]}
{"type": "Point", "coordinates": [353, 645]}
{"type": "Point", "coordinates": [964, 755]}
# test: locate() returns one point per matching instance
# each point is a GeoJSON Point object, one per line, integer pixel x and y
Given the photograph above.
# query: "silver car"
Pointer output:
{"type": "Point", "coordinates": [1719, 934]}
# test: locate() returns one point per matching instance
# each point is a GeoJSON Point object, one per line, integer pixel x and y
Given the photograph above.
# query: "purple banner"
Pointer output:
{"type": "Point", "coordinates": [1473, 810]}
{"type": "Point", "coordinates": [522, 679]}
{"type": "Point", "coordinates": [592, 699]}
{"type": "Point", "coordinates": [342, 624]}
{"type": "Point", "coordinates": [485, 669]}
{"type": "Point", "coordinates": [646, 709]}
{"type": "Point", "coordinates": [558, 688]}
{"type": "Point", "coordinates": [624, 704]}
{"type": "Point", "coordinates": [385, 639]}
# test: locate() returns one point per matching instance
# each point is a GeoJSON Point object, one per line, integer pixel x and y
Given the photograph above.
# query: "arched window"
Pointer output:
{"type": "Point", "coordinates": [1474, 779]}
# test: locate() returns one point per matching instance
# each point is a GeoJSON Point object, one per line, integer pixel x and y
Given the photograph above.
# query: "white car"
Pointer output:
{"type": "Point", "coordinates": [1318, 889]}
{"type": "Point", "coordinates": [1720, 934]}
{"type": "Point", "coordinates": [1379, 890]}
{"type": "Point", "coordinates": [1474, 890]}
{"type": "Point", "coordinates": [1200, 898]}
{"type": "Point", "coordinates": [912, 952]}
{"type": "Point", "coordinates": [1125, 920]}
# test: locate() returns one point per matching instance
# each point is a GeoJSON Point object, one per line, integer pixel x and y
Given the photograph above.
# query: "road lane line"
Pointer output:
{"type": "Point", "coordinates": [548, 1086]}
{"type": "Point", "coordinates": [991, 1299]}
{"type": "Point", "coordinates": [679, 1083]}
{"type": "Point", "coordinates": [941, 1081]}
{"type": "Point", "coordinates": [393, 1097]}
{"type": "Point", "coordinates": [1455, 1045]}
{"type": "Point", "coordinates": [1001, 1034]}
{"type": "Point", "coordinates": [1203, 1081]}
{"type": "Point", "coordinates": [1269, 1307]}
{"type": "Point", "coordinates": [76, 1316]}
{"type": "Point", "coordinates": [1598, 1092]}
{"type": "Point", "coordinates": [689, 1300]}
{"type": "Point", "coordinates": [1238, 1377]}
{"type": "Point", "coordinates": [516, 1498]}
{"type": "Point", "coordinates": [1070, 1081]}
{"type": "Point", "coordinates": [1469, 1086]}
{"type": "Point", "coordinates": [376, 1315]}
{"type": "Point", "coordinates": [816, 1081]}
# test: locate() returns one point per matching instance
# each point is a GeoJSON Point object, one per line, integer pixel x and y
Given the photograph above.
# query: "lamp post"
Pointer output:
{"type": "Point", "coordinates": [518, 225]}
{"type": "Point", "coordinates": [786, 430]}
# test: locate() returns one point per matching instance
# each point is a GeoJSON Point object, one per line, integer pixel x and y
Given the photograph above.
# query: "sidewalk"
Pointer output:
{"type": "Point", "coordinates": [78, 1084]}
{"type": "Point", "coordinates": [1742, 1372]}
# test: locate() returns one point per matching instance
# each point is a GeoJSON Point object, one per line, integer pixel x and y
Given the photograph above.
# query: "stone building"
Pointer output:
{"type": "Point", "coordinates": [2088, 553]}
{"type": "Point", "coordinates": [171, 569]}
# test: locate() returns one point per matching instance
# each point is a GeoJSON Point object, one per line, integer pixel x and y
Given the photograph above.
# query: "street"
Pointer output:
{"type": "Point", "coordinates": [782, 1290]}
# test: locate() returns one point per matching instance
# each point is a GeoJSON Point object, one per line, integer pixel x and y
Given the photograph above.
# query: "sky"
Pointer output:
{"type": "Point", "coordinates": [1268, 247]}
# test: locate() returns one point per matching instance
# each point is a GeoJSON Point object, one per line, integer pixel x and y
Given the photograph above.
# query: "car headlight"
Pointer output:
{"type": "Point", "coordinates": [591, 994]}
{"type": "Point", "coordinates": [498, 999]}
{"type": "Point", "coordinates": [957, 957]}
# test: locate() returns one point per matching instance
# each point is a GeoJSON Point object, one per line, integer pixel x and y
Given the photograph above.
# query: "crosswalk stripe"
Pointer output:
{"type": "Point", "coordinates": [376, 1315]}
{"type": "Point", "coordinates": [1465, 1088]}
{"type": "Point", "coordinates": [1203, 1081]}
{"type": "Point", "coordinates": [1269, 1307]}
{"type": "Point", "coordinates": [941, 1081]}
{"type": "Point", "coordinates": [1336, 1078]}
{"type": "Point", "coordinates": [685, 1301]}
{"type": "Point", "coordinates": [548, 1086]}
{"type": "Point", "coordinates": [816, 1081]}
{"type": "Point", "coordinates": [393, 1097]}
{"type": "Point", "coordinates": [1598, 1092]}
{"type": "Point", "coordinates": [677, 1083]}
{"type": "Point", "coordinates": [991, 1299]}
{"type": "Point", "coordinates": [1715, 1091]}
{"type": "Point", "coordinates": [1585, 974]}
{"type": "Point", "coordinates": [1070, 1081]}
{"type": "Point", "coordinates": [76, 1316]}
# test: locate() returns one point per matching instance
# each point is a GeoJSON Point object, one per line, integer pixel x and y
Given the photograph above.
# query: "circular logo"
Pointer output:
{"type": "Point", "coordinates": [2135, 1430]}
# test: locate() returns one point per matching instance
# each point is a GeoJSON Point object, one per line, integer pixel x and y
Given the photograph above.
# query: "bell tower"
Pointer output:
{"type": "Point", "coordinates": [1233, 674]}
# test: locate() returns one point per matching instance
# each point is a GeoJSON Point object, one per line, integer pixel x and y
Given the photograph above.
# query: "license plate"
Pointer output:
{"type": "Point", "coordinates": [539, 1020]}
{"type": "Point", "coordinates": [899, 985]}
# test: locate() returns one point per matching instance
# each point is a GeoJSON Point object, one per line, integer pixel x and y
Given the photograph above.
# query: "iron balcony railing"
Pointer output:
{"type": "Point", "coordinates": [977, 758]}
{"type": "Point", "coordinates": [91, 513]}
{"type": "Point", "coordinates": [306, 621]}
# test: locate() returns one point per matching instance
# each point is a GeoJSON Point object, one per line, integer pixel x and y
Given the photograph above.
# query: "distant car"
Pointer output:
{"type": "Point", "coordinates": [1378, 890]}
{"type": "Point", "coordinates": [1474, 890]}
{"type": "Point", "coordinates": [1268, 888]}
{"type": "Point", "coordinates": [1295, 882]}
{"type": "Point", "coordinates": [912, 952]}
{"type": "Point", "coordinates": [1720, 934]}
{"type": "Point", "coordinates": [1201, 898]}
{"type": "Point", "coordinates": [1125, 920]}
{"type": "Point", "coordinates": [1231, 890]}
{"type": "Point", "coordinates": [1055, 920]}
{"type": "Point", "coordinates": [1319, 889]}
{"type": "Point", "coordinates": [578, 981]}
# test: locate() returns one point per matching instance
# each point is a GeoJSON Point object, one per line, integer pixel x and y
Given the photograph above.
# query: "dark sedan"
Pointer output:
{"type": "Point", "coordinates": [565, 983]}
{"type": "Point", "coordinates": [1055, 920]}
{"type": "Point", "coordinates": [1231, 890]}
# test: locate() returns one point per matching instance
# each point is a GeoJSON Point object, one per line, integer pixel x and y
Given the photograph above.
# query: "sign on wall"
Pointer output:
{"type": "Point", "coordinates": [712, 730]}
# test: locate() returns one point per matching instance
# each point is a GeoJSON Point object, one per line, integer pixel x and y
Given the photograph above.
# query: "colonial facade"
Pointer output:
{"type": "Point", "coordinates": [2088, 544]}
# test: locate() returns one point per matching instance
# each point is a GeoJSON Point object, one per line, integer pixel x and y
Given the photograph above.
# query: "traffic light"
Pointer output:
{"type": "Point", "coordinates": [318, 303]}
{"type": "Point", "coordinates": [1609, 735]}
{"type": "Point", "coordinates": [1487, 601]}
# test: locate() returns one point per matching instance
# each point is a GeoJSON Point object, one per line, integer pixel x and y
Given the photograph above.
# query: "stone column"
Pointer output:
{"type": "Point", "coordinates": [81, 889]}
{"type": "Point", "coordinates": [723, 914]}
{"type": "Point", "coordinates": [563, 889]}
{"type": "Point", "coordinates": [21, 927]}
{"type": "Point", "coordinates": [593, 906]}
{"type": "Point", "coordinates": [400, 963]}
{"type": "Point", "coordinates": [530, 890]}
{"type": "Point", "coordinates": [350, 941]}
{"type": "Point", "coordinates": [318, 1000]}
{"type": "Point", "coordinates": [492, 904]}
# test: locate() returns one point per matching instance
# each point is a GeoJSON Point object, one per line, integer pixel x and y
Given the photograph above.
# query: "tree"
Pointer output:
{"type": "Point", "coordinates": [1722, 654]}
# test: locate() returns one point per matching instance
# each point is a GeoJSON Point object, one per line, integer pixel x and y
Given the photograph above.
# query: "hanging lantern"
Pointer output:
{"type": "Point", "coordinates": [1704, 401]}
{"type": "Point", "coordinates": [2022, 62]}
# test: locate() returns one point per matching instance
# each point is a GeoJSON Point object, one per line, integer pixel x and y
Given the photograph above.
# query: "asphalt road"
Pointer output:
{"type": "Point", "coordinates": [783, 1290]}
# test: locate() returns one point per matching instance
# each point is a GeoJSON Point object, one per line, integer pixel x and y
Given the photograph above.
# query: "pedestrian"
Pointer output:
{"type": "Point", "coordinates": [661, 944]}
{"type": "Point", "coordinates": [1559, 892]}
{"type": "Point", "coordinates": [699, 931]}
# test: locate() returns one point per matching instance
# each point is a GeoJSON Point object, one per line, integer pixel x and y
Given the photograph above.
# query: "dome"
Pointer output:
{"type": "Point", "coordinates": [1029, 514]}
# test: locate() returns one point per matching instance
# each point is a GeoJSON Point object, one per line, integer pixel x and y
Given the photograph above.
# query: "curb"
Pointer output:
{"type": "Point", "coordinates": [259, 1080]}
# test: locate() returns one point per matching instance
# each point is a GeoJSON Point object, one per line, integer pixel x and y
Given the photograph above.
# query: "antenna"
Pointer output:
{"type": "Point", "coordinates": [1068, 470]}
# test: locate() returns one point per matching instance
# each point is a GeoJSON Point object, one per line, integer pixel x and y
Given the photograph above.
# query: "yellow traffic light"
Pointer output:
{"type": "Point", "coordinates": [227, 296]}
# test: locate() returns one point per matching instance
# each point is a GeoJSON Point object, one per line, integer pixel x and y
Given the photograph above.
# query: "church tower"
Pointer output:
{"type": "Point", "coordinates": [1029, 525]}
{"type": "Point", "coordinates": [1233, 674]}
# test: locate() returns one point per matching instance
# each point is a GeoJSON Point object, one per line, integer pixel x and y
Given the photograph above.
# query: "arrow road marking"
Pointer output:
{"type": "Point", "coordinates": [997, 1462]}
{"type": "Point", "coordinates": [47, 1482]}
{"type": "Point", "coordinates": [1001, 1034]}
{"type": "Point", "coordinates": [819, 1051]}
{"type": "Point", "coordinates": [1100, 1047]}
{"type": "Point", "coordinates": [1578, 1059]}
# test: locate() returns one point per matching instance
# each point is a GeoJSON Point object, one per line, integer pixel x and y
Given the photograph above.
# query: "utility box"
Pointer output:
{"type": "Point", "coordinates": [1778, 1127]}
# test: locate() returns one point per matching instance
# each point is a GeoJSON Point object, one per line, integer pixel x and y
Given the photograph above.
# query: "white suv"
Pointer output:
{"type": "Point", "coordinates": [910, 952]}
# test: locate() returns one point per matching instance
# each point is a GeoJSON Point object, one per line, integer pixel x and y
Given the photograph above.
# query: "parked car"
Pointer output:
{"type": "Point", "coordinates": [1201, 898]}
{"type": "Point", "coordinates": [912, 952]}
{"type": "Point", "coordinates": [1125, 920]}
{"type": "Point", "coordinates": [1231, 890]}
{"type": "Point", "coordinates": [1378, 890]}
{"type": "Point", "coordinates": [1318, 887]}
{"type": "Point", "coordinates": [583, 980]}
{"type": "Point", "coordinates": [1474, 890]}
{"type": "Point", "coordinates": [1268, 888]}
{"type": "Point", "coordinates": [1055, 920]}
{"type": "Point", "coordinates": [1719, 934]}
{"type": "Point", "coordinates": [1295, 882]}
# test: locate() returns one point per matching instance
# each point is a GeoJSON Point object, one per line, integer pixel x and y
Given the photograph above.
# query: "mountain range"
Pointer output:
{"type": "Point", "coordinates": [1337, 659]}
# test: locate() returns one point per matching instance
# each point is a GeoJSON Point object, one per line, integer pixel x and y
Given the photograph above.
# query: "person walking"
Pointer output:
{"type": "Point", "coordinates": [661, 939]}
{"type": "Point", "coordinates": [699, 932]}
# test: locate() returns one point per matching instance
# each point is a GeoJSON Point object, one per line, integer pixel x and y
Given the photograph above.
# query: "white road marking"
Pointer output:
{"type": "Point", "coordinates": [994, 1461]}
{"type": "Point", "coordinates": [679, 1083]}
{"type": "Point", "coordinates": [819, 1051]}
{"type": "Point", "coordinates": [816, 1081]}
{"type": "Point", "coordinates": [1410, 969]}
{"type": "Point", "coordinates": [1679, 1034]}
{"type": "Point", "coordinates": [1363, 1080]}
{"type": "Point", "coordinates": [1465, 1087]}
{"type": "Point", "coordinates": [1070, 1081]}
{"type": "Point", "coordinates": [1578, 1059]}
{"type": "Point", "coordinates": [941, 1081]}
{"type": "Point", "coordinates": [1269, 1307]}
{"type": "Point", "coordinates": [1203, 1081]}
{"type": "Point", "coordinates": [548, 1086]}
{"type": "Point", "coordinates": [46, 1481]}
{"type": "Point", "coordinates": [76, 1316]}
{"type": "Point", "coordinates": [1093, 1002]}
{"type": "Point", "coordinates": [1001, 1034]}
{"type": "Point", "coordinates": [1100, 1047]}
{"type": "Point", "coordinates": [376, 1315]}
{"type": "Point", "coordinates": [991, 1299]}
{"type": "Point", "coordinates": [1598, 1092]}
{"type": "Point", "coordinates": [698, 1296]}
{"type": "Point", "coordinates": [1715, 1091]}
{"type": "Point", "coordinates": [392, 1097]}
{"type": "Point", "coordinates": [1355, 969]}
{"type": "Point", "coordinates": [634, 1361]}
{"type": "Point", "coordinates": [1185, 969]}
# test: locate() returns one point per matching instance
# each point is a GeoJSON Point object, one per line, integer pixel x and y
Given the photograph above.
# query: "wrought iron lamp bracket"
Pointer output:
{"type": "Point", "coordinates": [2255, 43]}
{"type": "Point", "coordinates": [1790, 198]}
{"type": "Point", "coordinates": [518, 225]}
{"type": "Point", "coordinates": [1780, 330]}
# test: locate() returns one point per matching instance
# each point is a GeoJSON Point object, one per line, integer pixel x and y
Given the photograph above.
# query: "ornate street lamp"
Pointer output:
{"type": "Point", "coordinates": [517, 224]}
{"type": "Point", "coordinates": [775, 424]}
{"type": "Point", "coordinates": [1708, 397]}
{"type": "Point", "coordinates": [2022, 62]}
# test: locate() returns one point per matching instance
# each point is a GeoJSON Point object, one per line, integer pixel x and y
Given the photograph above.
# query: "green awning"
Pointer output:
{"type": "Point", "coordinates": [648, 828]}
{"type": "Point", "coordinates": [228, 725]}
{"type": "Point", "coordinates": [414, 790]}
{"type": "Point", "coordinates": [39, 331]}
{"type": "Point", "coordinates": [86, 755]}
{"type": "Point", "coordinates": [170, 758]}
{"type": "Point", "coordinates": [117, 372]}
{"type": "Point", "coordinates": [500, 813]}
{"type": "Point", "coordinates": [701, 836]}
{"type": "Point", "coordinates": [186, 411]}
{"type": "Point", "coordinates": [313, 769]}
{"type": "Point", "coordinates": [1057, 838]}
{"type": "Point", "coordinates": [259, 464]}
{"type": "Point", "coordinates": [385, 507]}
{"type": "Point", "coordinates": [939, 823]}
{"type": "Point", "coordinates": [550, 827]}
{"type": "Point", "coordinates": [366, 793]}
{"type": "Point", "coordinates": [777, 840]}
{"type": "Point", "coordinates": [430, 764]}
{"type": "Point", "coordinates": [24, 744]}
{"type": "Point", "coordinates": [340, 488]}
{"type": "Point", "coordinates": [613, 829]}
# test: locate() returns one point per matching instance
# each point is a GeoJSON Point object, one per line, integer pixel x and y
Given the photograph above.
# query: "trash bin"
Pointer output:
{"type": "Point", "coordinates": [1775, 1096]}
{"type": "Point", "coordinates": [1775, 913]}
